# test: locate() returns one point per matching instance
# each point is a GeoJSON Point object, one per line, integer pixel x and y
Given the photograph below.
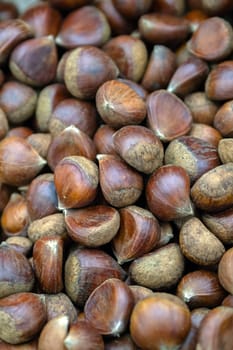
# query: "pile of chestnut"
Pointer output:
{"type": "Point", "coordinates": [116, 175]}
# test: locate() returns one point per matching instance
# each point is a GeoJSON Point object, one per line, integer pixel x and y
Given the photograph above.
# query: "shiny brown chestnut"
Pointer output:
{"type": "Point", "coordinates": [20, 131]}
{"type": "Point", "coordinates": [161, 107]}
{"type": "Point", "coordinates": [43, 19]}
{"type": "Point", "coordinates": [223, 119]}
{"type": "Point", "coordinates": [48, 263]}
{"type": "Point", "coordinates": [138, 234]}
{"type": "Point", "coordinates": [70, 142]}
{"type": "Point", "coordinates": [220, 37]}
{"type": "Point", "coordinates": [48, 98]}
{"type": "Point", "coordinates": [41, 196]}
{"type": "Point", "coordinates": [188, 76]}
{"type": "Point", "coordinates": [167, 193]}
{"type": "Point", "coordinates": [212, 192]}
{"type": "Point", "coordinates": [119, 191]}
{"type": "Point", "coordinates": [83, 80]}
{"type": "Point", "coordinates": [118, 23]}
{"type": "Point", "coordinates": [121, 49]}
{"type": "Point", "coordinates": [20, 108]}
{"type": "Point", "coordinates": [34, 61]}
{"type": "Point", "coordinates": [108, 307]}
{"type": "Point", "coordinates": [206, 133]}
{"type": "Point", "coordinates": [76, 180]}
{"type": "Point", "coordinates": [196, 156]}
{"type": "Point", "coordinates": [224, 270]}
{"type": "Point", "coordinates": [216, 329]}
{"type": "Point", "coordinates": [15, 216]}
{"type": "Point", "coordinates": [74, 32]}
{"type": "Point", "coordinates": [200, 288]}
{"type": "Point", "coordinates": [73, 111]}
{"type": "Point", "coordinates": [16, 272]}
{"type": "Point", "coordinates": [131, 8]}
{"type": "Point", "coordinates": [160, 28]}
{"type": "Point", "coordinates": [12, 307]}
{"type": "Point", "coordinates": [166, 322]}
{"type": "Point", "coordinates": [103, 139]}
{"type": "Point", "coordinates": [13, 31]}
{"type": "Point", "coordinates": [119, 105]}
{"type": "Point", "coordinates": [17, 151]}
{"type": "Point", "coordinates": [202, 108]}
{"type": "Point", "coordinates": [85, 269]}
{"type": "Point", "coordinates": [160, 68]}
{"type": "Point", "coordinates": [217, 87]}
{"type": "Point", "coordinates": [92, 226]}
{"type": "Point", "coordinates": [171, 7]}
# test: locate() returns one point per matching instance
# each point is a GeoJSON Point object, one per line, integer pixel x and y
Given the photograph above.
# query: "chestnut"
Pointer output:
{"type": "Point", "coordinates": [15, 216]}
{"type": "Point", "coordinates": [49, 225]}
{"type": "Point", "coordinates": [103, 139]}
{"type": "Point", "coordinates": [85, 269]}
{"type": "Point", "coordinates": [12, 307]}
{"type": "Point", "coordinates": [48, 99]}
{"type": "Point", "coordinates": [169, 262]}
{"type": "Point", "coordinates": [139, 147]}
{"type": "Point", "coordinates": [16, 272]}
{"type": "Point", "coordinates": [215, 329]}
{"type": "Point", "coordinates": [119, 191]}
{"type": "Point", "coordinates": [70, 142]}
{"type": "Point", "coordinates": [83, 80]}
{"type": "Point", "coordinates": [121, 49]}
{"type": "Point", "coordinates": [34, 61]}
{"type": "Point", "coordinates": [200, 245]}
{"type": "Point", "coordinates": [160, 321]}
{"type": "Point", "coordinates": [160, 68]}
{"type": "Point", "coordinates": [60, 304]}
{"type": "Point", "coordinates": [74, 32]}
{"type": "Point", "coordinates": [41, 196]}
{"type": "Point", "coordinates": [48, 263]}
{"type": "Point", "coordinates": [167, 193]}
{"type": "Point", "coordinates": [73, 111]}
{"type": "Point", "coordinates": [20, 108]}
{"type": "Point", "coordinates": [161, 107]}
{"type": "Point", "coordinates": [196, 156]}
{"type": "Point", "coordinates": [212, 192]}
{"type": "Point", "coordinates": [17, 151]}
{"type": "Point", "coordinates": [224, 270]}
{"type": "Point", "coordinates": [13, 31]}
{"type": "Point", "coordinates": [92, 226]}
{"type": "Point", "coordinates": [138, 234]}
{"type": "Point", "coordinates": [43, 19]}
{"type": "Point", "coordinates": [108, 307]}
{"type": "Point", "coordinates": [219, 33]}
{"type": "Point", "coordinates": [162, 28]}
{"type": "Point", "coordinates": [76, 180]}
{"type": "Point", "coordinates": [216, 86]}
{"type": "Point", "coordinates": [119, 105]}
{"type": "Point", "coordinates": [200, 288]}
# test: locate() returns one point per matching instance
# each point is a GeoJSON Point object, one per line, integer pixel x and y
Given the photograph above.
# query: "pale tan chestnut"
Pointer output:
{"type": "Point", "coordinates": [169, 262]}
{"type": "Point", "coordinates": [198, 244]}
